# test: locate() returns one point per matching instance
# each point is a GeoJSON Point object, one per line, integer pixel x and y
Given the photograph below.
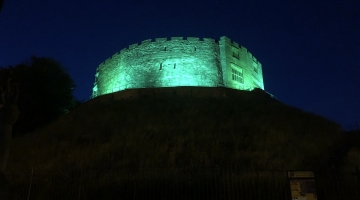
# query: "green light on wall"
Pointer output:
{"type": "Point", "coordinates": [178, 62]}
{"type": "Point", "coordinates": [184, 71]}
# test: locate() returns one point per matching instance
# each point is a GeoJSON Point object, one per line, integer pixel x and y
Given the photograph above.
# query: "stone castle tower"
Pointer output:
{"type": "Point", "coordinates": [179, 62]}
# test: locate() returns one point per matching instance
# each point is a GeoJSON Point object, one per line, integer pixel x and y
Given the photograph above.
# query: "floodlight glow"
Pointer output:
{"type": "Point", "coordinates": [179, 62]}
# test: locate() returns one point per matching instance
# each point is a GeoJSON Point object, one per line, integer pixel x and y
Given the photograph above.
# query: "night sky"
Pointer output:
{"type": "Point", "coordinates": [309, 50]}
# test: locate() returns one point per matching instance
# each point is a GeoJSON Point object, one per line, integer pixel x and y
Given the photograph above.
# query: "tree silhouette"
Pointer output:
{"type": "Point", "coordinates": [8, 115]}
{"type": "Point", "coordinates": [42, 89]}
{"type": "Point", "coordinates": [46, 92]}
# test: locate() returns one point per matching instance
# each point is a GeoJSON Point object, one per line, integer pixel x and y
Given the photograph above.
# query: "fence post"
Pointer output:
{"type": "Point", "coordinates": [31, 178]}
{"type": "Point", "coordinates": [134, 185]}
{"type": "Point", "coordinates": [79, 195]}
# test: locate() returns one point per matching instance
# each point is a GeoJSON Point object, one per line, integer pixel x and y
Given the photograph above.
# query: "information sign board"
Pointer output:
{"type": "Point", "coordinates": [302, 185]}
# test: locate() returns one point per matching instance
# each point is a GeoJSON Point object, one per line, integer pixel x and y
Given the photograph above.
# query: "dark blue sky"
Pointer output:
{"type": "Point", "coordinates": [309, 49]}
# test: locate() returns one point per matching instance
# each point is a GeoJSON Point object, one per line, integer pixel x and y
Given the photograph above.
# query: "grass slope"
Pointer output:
{"type": "Point", "coordinates": [249, 129]}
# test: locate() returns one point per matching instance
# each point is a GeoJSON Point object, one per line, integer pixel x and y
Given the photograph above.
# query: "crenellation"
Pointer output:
{"type": "Point", "coordinates": [178, 62]}
{"type": "Point", "coordinates": [115, 55]}
{"type": "Point", "coordinates": [146, 41]}
{"type": "Point", "coordinates": [133, 46]}
{"type": "Point", "coordinates": [226, 39]}
{"type": "Point", "coordinates": [123, 50]}
{"type": "Point", "coordinates": [254, 59]}
{"type": "Point", "coordinates": [192, 39]}
{"type": "Point", "coordinates": [177, 38]}
{"type": "Point", "coordinates": [209, 40]}
{"type": "Point", "coordinates": [107, 60]}
{"type": "Point", "coordinates": [160, 39]}
{"type": "Point", "coordinates": [235, 44]}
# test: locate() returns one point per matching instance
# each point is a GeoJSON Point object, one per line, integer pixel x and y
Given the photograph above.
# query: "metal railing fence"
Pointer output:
{"type": "Point", "coordinates": [172, 183]}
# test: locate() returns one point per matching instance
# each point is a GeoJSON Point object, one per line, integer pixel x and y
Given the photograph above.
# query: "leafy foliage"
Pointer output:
{"type": "Point", "coordinates": [46, 91]}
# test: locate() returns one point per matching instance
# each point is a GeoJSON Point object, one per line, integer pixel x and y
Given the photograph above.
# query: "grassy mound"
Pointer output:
{"type": "Point", "coordinates": [247, 129]}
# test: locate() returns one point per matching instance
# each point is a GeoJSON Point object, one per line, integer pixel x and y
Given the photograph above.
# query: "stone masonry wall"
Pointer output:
{"type": "Point", "coordinates": [178, 62]}
{"type": "Point", "coordinates": [234, 56]}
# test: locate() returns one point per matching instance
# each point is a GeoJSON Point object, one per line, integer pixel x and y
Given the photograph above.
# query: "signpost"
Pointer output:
{"type": "Point", "coordinates": [302, 185]}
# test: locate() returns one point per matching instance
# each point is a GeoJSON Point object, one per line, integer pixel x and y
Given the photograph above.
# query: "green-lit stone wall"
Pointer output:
{"type": "Point", "coordinates": [234, 56]}
{"type": "Point", "coordinates": [178, 62]}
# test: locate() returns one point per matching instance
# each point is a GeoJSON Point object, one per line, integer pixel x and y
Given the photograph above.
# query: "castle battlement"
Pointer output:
{"type": "Point", "coordinates": [138, 46]}
{"type": "Point", "coordinates": [146, 41]}
{"type": "Point", "coordinates": [179, 61]}
{"type": "Point", "coordinates": [166, 40]}
{"type": "Point", "coordinates": [235, 44]}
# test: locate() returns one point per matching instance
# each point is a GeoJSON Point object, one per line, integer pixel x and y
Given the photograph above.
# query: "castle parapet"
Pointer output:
{"type": "Point", "coordinates": [179, 61]}
{"type": "Point", "coordinates": [133, 46]}
{"type": "Point", "coordinates": [235, 44]}
{"type": "Point", "coordinates": [146, 41]}
{"type": "Point", "coordinates": [160, 39]}
{"type": "Point", "coordinates": [192, 39]}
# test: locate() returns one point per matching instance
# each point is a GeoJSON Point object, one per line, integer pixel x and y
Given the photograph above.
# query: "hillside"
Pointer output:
{"type": "Point", "coordinates": [179, 127]}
